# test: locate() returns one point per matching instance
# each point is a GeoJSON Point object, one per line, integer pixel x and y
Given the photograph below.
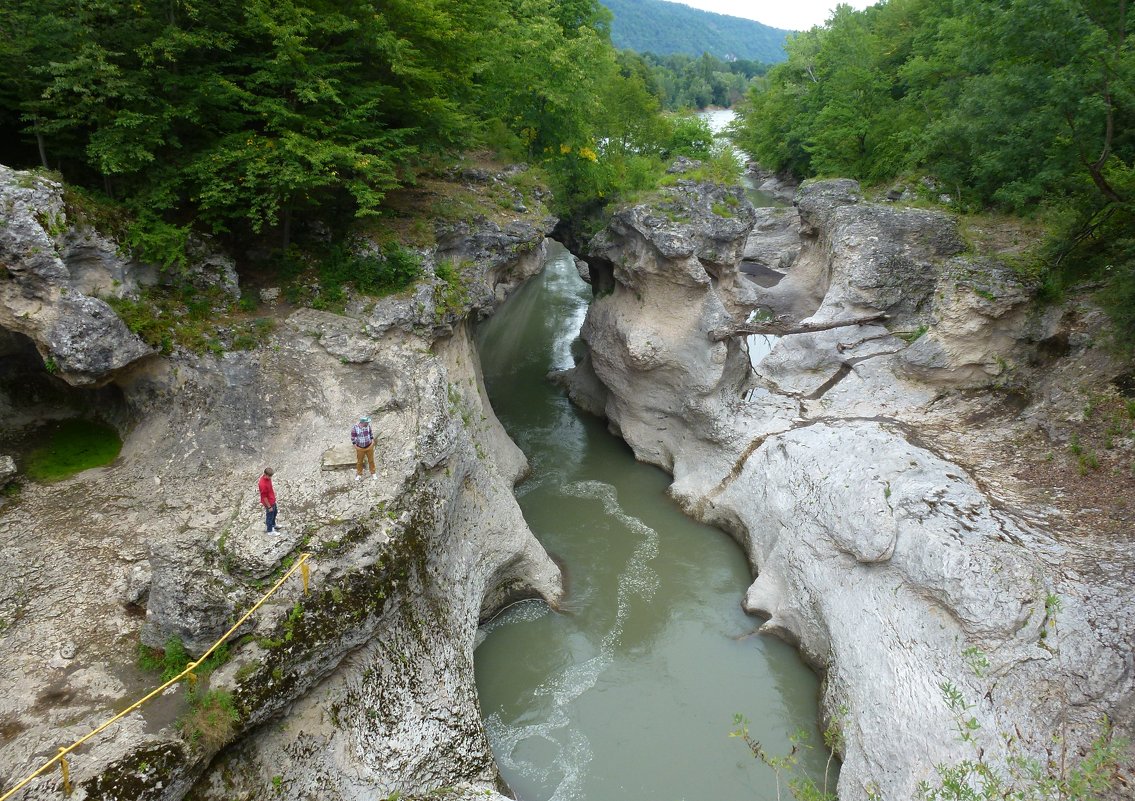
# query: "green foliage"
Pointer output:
{"type": "Point", "coordinates": [685, 82]}
{"type": "Point", "coordinates": [292, 620]}
{"type": "Point", "coordinates": [250, 118]}
{"type": "Point", "coordinates": [353, 264]}
{"type": "Point", "coordinates": [1018, 105]}
{"type": "Point", "coordinates": [155, 241]}
{"type": "Point", "coordinates": [170, 660]}
{"type": "Point", "coordinates": [71, 446]}
{"type": "Point", "coordinates": [450, 294]}
{"type": "Point", "coordinates": [688, 136]}
{"type": "Point", "coordinates": [660, 27]}
{"type": "Point", "coordinates": [787, 768]}
{"type": "Point", "coordinates": [198, 321]}
{"type": "Point", "coordinates": [173, 659]}
{"type": "Point", "coordinates": [241, 116]}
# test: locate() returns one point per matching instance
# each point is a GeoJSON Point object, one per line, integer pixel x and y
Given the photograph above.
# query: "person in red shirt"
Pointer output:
{"type": "Point", "coordinates": [268, 500]}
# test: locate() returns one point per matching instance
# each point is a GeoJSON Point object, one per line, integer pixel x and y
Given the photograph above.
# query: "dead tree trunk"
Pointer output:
{"type": "Point", "coordinates": [784, 329]}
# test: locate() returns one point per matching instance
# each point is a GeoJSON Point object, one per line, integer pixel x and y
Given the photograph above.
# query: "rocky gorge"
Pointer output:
{"type": "Point", "coordinates": [874, 465]}
{"type": "Point", "coordinates": [362, 686]}
{"type": "Point", "coordinates": [861, 467]}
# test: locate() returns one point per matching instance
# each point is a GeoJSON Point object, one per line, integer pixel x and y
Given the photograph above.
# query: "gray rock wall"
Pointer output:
{"type": "Point", "coordinates": [360, 689]}
{"type": "Point", "coordinates": [886, 563]}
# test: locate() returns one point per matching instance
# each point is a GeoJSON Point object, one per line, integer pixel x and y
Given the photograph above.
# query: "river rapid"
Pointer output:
{"type": "Point", "coordinates": [630, 692]}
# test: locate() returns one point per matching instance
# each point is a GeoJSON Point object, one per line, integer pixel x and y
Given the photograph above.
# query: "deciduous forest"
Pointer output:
{"type": "Point", "coordinates": [242, 116]}
{"type": "Point", "coordinates": [1024, 107]}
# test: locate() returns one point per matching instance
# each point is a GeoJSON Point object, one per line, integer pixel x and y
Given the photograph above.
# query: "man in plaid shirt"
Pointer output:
{"type": "Point", "coordinates": [363, 439]}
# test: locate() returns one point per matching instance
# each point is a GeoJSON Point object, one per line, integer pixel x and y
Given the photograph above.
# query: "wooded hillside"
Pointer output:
{"type": "Point", "coordinates": [656, 26]}
{"type": "Point", "coordinates": [1020, 106]}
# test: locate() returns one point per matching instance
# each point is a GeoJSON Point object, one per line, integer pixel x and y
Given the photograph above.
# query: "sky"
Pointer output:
{"type": "Point", "coordinates": [795, 15]}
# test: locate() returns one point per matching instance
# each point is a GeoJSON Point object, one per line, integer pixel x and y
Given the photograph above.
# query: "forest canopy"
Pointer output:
{"type": "Point", "coordinates": [237, 116]}
{"type": "Point", "coordinates": [1026, 106]}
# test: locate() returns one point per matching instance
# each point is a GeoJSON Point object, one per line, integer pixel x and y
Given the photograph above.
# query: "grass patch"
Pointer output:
{"type": "Point", "coordinates": [211, 719]}
{"type": "Point", "coordinates": [369, 272]}
{"type": "Point", "coordinates": [173, 658]}
{"type": "Point", "coordinates": [199, 322]}
{"type": "Point", "coordinates": [70, 447]}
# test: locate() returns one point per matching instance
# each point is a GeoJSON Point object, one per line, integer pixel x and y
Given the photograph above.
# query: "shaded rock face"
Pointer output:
{"type": "Point", "coordinates": [78, 335]}
{"type": "Point", "coordinates": [882, 558]}
{"type": "Point", "coordinates": [55, 274]}
{"type": "Point", "coordinates": [373, 666]}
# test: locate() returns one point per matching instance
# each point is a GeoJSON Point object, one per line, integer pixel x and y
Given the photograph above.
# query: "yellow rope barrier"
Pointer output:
{"type": "Point", "coordinates": [61, 757]}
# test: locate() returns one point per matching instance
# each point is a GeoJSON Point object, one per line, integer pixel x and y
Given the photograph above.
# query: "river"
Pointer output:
{"type": "Point", "coordinates": [630, 692]}
{"type": "Point", "coordinates": [718, 119]}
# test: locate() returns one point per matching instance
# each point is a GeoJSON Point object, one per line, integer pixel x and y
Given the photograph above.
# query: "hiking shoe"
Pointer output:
{"type": "Point", "coordinates": [280, 531]}
{"type": "Point", "coordinates": [373, 477]}
{"type": "Point", "coordinates": [358, 477]}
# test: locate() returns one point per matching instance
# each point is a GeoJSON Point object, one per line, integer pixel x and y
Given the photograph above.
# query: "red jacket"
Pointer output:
{"type": "Point", "coordinates": [267, 493]}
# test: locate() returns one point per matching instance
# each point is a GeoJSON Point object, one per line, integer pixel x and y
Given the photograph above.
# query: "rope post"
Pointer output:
{"type": "Point", "coordinates": [191, 677]}
{"type": "Point", "coordinates": [63, 766]}
{"type": "Point", "coordinates": [305, 571]}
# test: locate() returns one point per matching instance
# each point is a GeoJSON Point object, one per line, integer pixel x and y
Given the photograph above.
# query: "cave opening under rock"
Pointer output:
{"type": "Point", "coordinates": [34, 403]}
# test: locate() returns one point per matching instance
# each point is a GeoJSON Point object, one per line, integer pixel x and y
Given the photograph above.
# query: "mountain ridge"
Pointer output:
{"type": "Point", "coordinates": [660, 27]}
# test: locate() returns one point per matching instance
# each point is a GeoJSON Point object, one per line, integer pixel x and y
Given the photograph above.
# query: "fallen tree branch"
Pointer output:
{"type": "Point", "coordinates": [784, 329]}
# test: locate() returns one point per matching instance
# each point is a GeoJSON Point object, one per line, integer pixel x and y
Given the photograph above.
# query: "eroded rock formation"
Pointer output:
{"type": "Point", "coordinates": [836, 461]}
{"type": "Point", "coordinates": [374, 665]}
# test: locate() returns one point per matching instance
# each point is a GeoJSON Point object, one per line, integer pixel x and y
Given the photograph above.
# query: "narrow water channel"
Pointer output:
{"type": "Point", "coordinates": [631, 692]}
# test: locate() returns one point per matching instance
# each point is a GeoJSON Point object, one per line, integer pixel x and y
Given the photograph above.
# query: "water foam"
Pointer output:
{"type": "Point", "coordinates": [636, 579]}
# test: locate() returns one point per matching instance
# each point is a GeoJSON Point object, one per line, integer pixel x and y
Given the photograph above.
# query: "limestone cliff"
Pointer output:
{"type": "Point", "coordinates": [886, 540]}
{"type": "Point", "coordinates": [360, 689]}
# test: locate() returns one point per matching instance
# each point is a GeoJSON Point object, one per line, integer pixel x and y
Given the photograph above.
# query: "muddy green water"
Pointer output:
{"type": "Point", "coordinates": [629, 693]}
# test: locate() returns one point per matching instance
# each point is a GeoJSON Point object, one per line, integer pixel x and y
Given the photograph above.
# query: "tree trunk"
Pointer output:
{"type": "Point", "coordinates": [784, 329]}
{"type": "Point", "coordinates": [42, 149]}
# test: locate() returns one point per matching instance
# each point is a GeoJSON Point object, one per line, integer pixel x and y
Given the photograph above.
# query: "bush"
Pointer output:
{"type": "Point", "coordinates": [173, 659]}
{"type": "Point", "coordinates": [689, 136]}
{"type": "Point", "coordinates": [344, 265]}
{"type": "Point", "coordinates": [155, 241]}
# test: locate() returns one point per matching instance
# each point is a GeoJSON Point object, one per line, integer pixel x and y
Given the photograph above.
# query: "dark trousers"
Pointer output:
{"type": "Point", "coordinates": [270, 518]}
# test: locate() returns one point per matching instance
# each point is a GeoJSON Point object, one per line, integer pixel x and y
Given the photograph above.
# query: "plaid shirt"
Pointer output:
{"type": "Point", "coordinates": [362, 436]}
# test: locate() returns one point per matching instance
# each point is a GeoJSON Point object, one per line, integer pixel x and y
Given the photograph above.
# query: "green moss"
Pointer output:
{"type": "Point", "coordinates": [200, 322]}
{"type": "Point", "coordinates": [142, 775]}
{"type": "Point", "coordinates": [452, 294]}
{"type": "Point", "coordinates": [70, 447]}
{"type": "Point", "coordinates": [173, 658]}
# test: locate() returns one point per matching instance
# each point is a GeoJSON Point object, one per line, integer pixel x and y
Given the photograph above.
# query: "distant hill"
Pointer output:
{"type": "Point", "coordinates": [657, 26]}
